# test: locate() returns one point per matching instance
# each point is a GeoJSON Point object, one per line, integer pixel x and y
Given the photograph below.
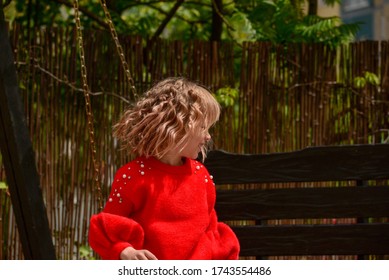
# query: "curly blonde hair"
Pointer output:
{"type": "Point", "coordinates": [166, 116]}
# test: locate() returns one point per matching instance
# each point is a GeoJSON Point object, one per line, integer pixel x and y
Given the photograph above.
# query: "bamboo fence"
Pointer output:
{"type": "Point", "coordinates": [289, 97]}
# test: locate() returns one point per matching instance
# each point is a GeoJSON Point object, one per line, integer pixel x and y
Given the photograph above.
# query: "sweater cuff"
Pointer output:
{"type": "Point", "coordinates": [118, 248]}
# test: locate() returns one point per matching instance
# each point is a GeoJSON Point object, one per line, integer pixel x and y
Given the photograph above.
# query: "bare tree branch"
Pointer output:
{"type": "Point", "coordinates": [167, 19]}
{"type": "Point", "coordinates": [178, 16]}
{"type": "Point", "coordinates": [66, 82]}
{"type": "Point", "coordinates": [221, 15]}
{"type": "Point", "coordinates": [136, 3]}
{"type": "Point", "coordinates": [151, 3]}
{"type": "Point", "coordinates": [91, 15]}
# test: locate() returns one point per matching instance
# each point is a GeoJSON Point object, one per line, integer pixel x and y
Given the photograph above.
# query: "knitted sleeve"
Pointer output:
{"type": "Point", "coordinates": [225, 244]}
{"type": "Point", "coordinates": [113, 230]}
{"type": "Point", "coordinates": [110, 234]}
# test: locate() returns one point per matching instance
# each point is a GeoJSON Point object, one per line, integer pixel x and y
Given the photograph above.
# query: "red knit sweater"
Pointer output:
{"type": "Point", "coordinates": [168, 210]}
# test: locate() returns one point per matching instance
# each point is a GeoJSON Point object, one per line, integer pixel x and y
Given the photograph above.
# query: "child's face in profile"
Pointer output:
{"type": "Point", "coordinates": [198, 138]}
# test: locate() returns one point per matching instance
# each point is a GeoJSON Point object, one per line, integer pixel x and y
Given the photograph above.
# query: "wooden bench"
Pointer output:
{"type": "Point", "coordinates": [336, 201]}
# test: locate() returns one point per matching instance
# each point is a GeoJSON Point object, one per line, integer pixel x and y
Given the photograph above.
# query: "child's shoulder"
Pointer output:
{"type": "Point", "coordinates": [133, 168]}
{"type": "Point", "coordinates": [198, 166]}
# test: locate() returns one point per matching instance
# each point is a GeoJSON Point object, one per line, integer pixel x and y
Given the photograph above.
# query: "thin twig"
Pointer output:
{"type": "Point", "coordinates": [71, 85]}
{"type": "Point", "coordinates": [85, 12]}
{"type": "Point", "coordinates": [229, 26]}
{"type": "Point", "coordinates": [170, 15]}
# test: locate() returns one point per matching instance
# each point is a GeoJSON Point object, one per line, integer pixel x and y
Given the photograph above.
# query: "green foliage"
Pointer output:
{"type": "Point", "coordinates": [227, 96]}
{"type": "Point", "coordinates": [281, 22]}
{"type": "Point", "coordinates": [3, 186]}
{"type": "Point", "coordinates": [41, 13]}
{"type": "Point", "coordinates": [367, 78]}
{"type": "Point", "coordinates": [192, 21]}
{"type": "Point", "coordinates": [274, 21]}
{"type": "Point", "coordinates": [86, 253]}
{"type": "Point", "coordinates": [242, 28]}
{"type": "Point", "coordinates": [314, 29]}
{"type": "Point", "coordinates": [278, 21]}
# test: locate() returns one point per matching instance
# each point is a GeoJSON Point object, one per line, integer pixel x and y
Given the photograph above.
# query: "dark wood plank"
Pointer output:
{"type": "Point", "coordinates": [19, 160]}
{"type": "Point", "coordinates": [356, 239]}
{"type": "Point", "coordinates": [332, 163]}
{"type": "Point", "coordinates": [339, 202]}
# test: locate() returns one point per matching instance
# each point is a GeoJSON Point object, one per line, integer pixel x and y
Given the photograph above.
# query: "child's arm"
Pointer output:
{"type": "Point", "coordinates": [225, 244]}
{"type": "Point", "coordinates": [113, 234]}
{"type": "Point", "coordinates": [110, 234]}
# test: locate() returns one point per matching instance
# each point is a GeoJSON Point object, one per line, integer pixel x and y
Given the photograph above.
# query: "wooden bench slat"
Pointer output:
{"type": "Point", "coordinates": [333, 163]}
{"type": "Point", "coordinates": [314, 240]}
{"type": "Point", "coordinates": [361, 163]}
{"type": "Point", "coordinates": [296, 203]}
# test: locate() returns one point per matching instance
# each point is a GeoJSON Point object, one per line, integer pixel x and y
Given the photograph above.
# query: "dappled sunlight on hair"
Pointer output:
{"type": "Point", "coordinates": [166, 116]}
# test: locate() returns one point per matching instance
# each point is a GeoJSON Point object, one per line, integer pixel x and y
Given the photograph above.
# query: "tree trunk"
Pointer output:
{"type": "Point", "coordinates": [312, 7]}
{"type": "Point", "coordinates": [217, 21]}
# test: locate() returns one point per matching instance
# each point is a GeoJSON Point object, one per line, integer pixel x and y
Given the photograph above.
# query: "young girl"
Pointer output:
{"type": "Point", "coordinates": [161, 204]}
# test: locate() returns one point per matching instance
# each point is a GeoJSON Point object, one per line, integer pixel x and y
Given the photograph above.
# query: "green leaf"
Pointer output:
{"type": "Point", "coordinates": [243, 30]}
{"type": "Point", "coordinates": [86, 253]}
{"type": "Point", "coordinates": [372, 78]}
{"type": "Point", "coordinates": [3, 186]}
{"type": "Point", "coordinates": [359, 82]}
{"type": "Point", "coordinates": [227, 96]}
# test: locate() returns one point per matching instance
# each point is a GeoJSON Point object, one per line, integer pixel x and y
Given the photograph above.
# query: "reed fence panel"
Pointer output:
{"type": "Point", "coordinates": [289, 97]}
